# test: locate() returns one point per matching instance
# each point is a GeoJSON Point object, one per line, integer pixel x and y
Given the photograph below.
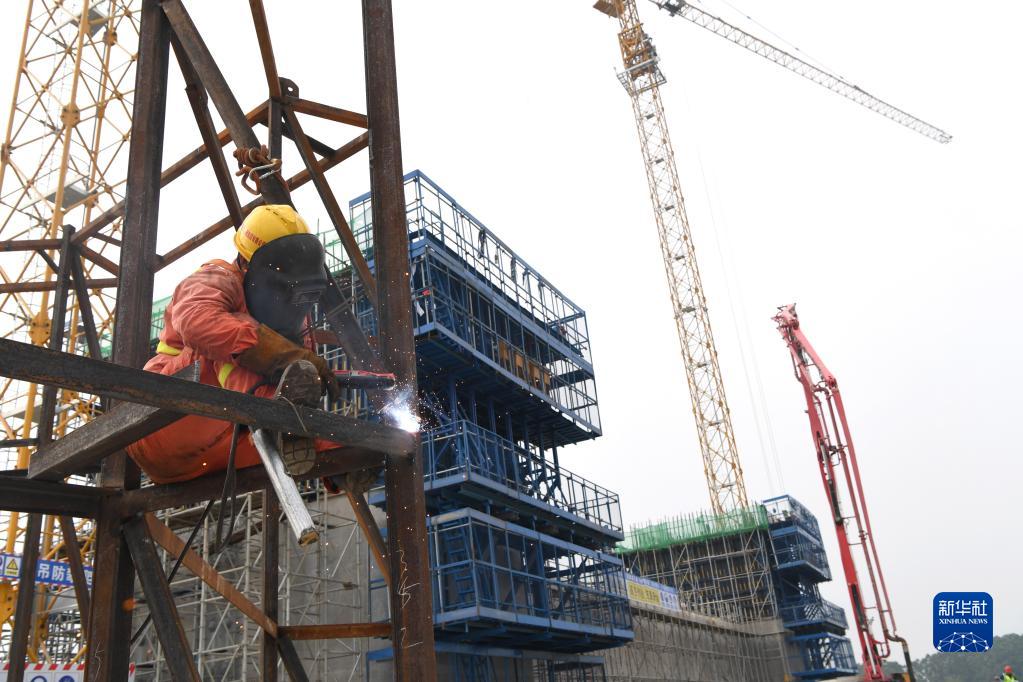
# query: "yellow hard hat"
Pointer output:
{"type": "Point", "coordinates": [265, 224]}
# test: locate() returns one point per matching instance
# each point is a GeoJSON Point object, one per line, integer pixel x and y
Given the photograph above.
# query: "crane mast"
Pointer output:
{"type": "Point", "coordinates": [642, 79]}
{"type": "Point", "coordinates": [836, 458]}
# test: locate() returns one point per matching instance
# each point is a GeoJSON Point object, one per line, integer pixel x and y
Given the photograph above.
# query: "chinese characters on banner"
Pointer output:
{"type": "Point", "coordinates": [53, 573]}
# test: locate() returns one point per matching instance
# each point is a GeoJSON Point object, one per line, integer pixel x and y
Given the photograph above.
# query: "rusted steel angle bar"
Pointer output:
{"type": "Point", "coordinates": [28, 287]}
{"type": "Point", "coordinates": [20, 494]}
{"type": "Point", "coordinates": [39, 365]}
{"type": "Point", "coordinates": [176, 650]}
{"type": "Point", "coordinates": [370, 530]}
{"type": "Point", "coordinates": [73, 551]}
{"type": "Point", "coordinates": [328, 112]}
{"type": "Point", "coordinates": [29, 244]}
{"type": "Point", "coordinates": [167, 539]}
{"type": "Point", "coordinates": [329, 463]}
{"type": "Point", "coordinates": [292, 661]}
{"type": "Point", "coordinates": [172, 173]}
{"type": "Point", "coordinates": [108, 433]}
{"type": "Point", "coordinates": [213, 80]}
{"type": "Point", "coordinates": [200, 110]}
{"type": "Point", "coordinates": [294, 182]}
{"type": "Point", "coordinates": [23, 620]}
{"type": "Point", "coordinates": [271, 579]}
{"type": "Point", "coordinates": [266, 49]}
{"type": "Point", "coordinates": [335, 631]}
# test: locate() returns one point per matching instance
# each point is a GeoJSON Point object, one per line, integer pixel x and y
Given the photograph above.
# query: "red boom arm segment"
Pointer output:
{"type": "Point", "coordinates": [836, 457]}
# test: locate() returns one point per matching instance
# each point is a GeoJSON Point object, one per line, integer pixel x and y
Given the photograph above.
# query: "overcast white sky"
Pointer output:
{"type": "Point", "coordinates": [903, 254]}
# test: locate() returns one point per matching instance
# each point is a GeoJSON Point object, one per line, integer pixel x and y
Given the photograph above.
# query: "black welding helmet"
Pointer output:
{"type": "Point", "coordinates": [284, 281]}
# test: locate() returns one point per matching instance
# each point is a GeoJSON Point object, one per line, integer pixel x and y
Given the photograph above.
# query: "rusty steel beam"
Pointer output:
{"type": "Point", "coordinates": [23, 620]}
{"type": "Point", "coordinates": [25, 362]}
{"type": "Point", "coordinates": [173, 172]}
{"type": "Point", "coordinates": [370, 530]}
{"type": "Point", "coordinates": [155, 498]}
{"type": "Point", "coordinates": [298, 633]}
{"type": "Point", "coordinates": [73, 551]}
{"type": "Point", "coordinates": [99, 259]}
{"type": "Point", "coordinates": [321, 148]}
{"type": "Point", "coordinates": [29, 287]}
{"type": "Point", "coordinates": [108, 433]}
{"type": "Point", "coordinates": [29, 245]}
{"type": "Point", "coordinates": [337, 216]}
{"type": "Point", "coordinates": [20, 494]}
{"type": "Point", "coordinates": [266, 50]}
{"type": "Point", "coordinates": [177, 653]}
{"type": "Point", "coordinates": [114, 584]}
{"type": "Point", "coordinates": [292, 661]}
{"type": "Point", "coordinates": [198, 100]}
{"type": "Point", "coordinates": [294, 182]}
{"type": "Point", "coordinates": [48, 407]}
{"type": "Point", "coordinates": [271, 577]}
{"type": "Point", "coordinates": [85, 315]}
{"type": "Point", "coordinates": [273, 189]}
{"type": "Point", "coordinates": [328, 112]}
{"type": "Point", "coordinates": [411, 601]}
{"type": "Point", "coordinates": [167, 539]}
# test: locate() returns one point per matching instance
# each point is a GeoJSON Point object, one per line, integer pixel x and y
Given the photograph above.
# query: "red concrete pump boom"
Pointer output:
{"type": "Point", "coordinates": [836, 457]}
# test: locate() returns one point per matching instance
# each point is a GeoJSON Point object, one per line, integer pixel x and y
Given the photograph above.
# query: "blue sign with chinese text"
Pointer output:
{"type": "Point", "coordinates": [48, 572]}
{"type": "Point", "coordinates": [963, 622]}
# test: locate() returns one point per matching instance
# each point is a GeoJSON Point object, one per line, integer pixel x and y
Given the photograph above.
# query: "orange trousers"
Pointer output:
{"type": "Point", "coordinates": [194, 446]}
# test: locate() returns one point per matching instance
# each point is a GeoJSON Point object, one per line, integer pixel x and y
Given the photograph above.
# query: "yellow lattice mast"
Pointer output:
{"type": "Point", "coordinates": [642, 79]}
{"type": "Point", "coordinates": [62, 163]}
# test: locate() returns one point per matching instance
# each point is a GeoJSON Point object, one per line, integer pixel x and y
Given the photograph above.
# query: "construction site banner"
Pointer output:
{"type": "Point", "coordinates": [48, 572]}
{"type": "Point", "coordinates": [652, 593]}
{"type": "Point", "coordinates": [56, 672]}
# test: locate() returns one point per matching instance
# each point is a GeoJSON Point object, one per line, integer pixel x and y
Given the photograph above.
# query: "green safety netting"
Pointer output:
{"type": "Point", "coordinates": [692, 527]}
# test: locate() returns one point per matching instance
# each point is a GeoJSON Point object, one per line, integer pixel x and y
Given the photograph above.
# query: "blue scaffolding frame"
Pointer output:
{"type": "Point", "coordinates": [821, 650]}
{"type": "Point", "coordinates": [517, 542]}
{"type": "Point", "coordinates": [493, 320]}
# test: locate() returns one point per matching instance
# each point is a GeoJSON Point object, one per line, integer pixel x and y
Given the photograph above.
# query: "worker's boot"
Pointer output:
{"type": "Point", "coordinates": [299, 385]}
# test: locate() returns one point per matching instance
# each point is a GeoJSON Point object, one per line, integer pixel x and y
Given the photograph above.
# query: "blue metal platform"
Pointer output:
{"type": "Point", "coordinates": [822, 651]}
{"type": "Point", "coordinates": [823, 656]}
{"type": "Point", "coordinates": [466, 464]}
{"type": "Point", "coordinates": [518, 544]}
{"type": "Point", "coordinates": [500, 582]}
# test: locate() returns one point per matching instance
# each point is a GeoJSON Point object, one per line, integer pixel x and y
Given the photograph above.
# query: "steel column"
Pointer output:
{"type": "Point", "coordinates": [271, 557]}
{"type": "Point", "coordinates": [411, 601]}
{"type": "Point", "coordinates": [110, 624]}
{"type": "Point", "coordinates": [23, 620]}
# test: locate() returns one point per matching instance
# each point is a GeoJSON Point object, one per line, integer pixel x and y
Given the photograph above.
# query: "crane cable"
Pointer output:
{"type": "Point", "coordinates": [774, 474]}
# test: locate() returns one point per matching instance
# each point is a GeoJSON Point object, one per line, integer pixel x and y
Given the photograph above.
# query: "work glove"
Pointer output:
{"type": "Point", "coordinates": [272, 353]}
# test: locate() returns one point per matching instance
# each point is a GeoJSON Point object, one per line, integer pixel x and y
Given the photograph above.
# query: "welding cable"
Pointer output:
{"type": "Point", "coordinates": [177, 565]}
{"type": "Point", "coordinates": [230, 485]}
{"type": "Point", "coordinates": [228, 493]}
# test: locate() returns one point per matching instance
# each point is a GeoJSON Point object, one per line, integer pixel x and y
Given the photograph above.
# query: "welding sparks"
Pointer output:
{"type": "Point", "coordinates": [400, 413]}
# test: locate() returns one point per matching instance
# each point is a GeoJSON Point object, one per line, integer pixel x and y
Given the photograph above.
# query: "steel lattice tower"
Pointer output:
{"type": "Point", "coordinates": [62, 162]}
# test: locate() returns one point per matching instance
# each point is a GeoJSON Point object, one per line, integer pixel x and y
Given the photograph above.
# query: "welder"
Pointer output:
{"type": "Point", "coordinates": [246, 323]}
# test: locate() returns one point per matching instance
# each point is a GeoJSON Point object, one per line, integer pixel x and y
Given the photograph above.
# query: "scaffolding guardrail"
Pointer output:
{"type": "Point", "coordinates": [786, 510]}
{"type": "Point", "coordinates": [823, 656]}
{"type": "Point", "coordinates": [812, 611]}
{"type": "Point", "coordinates": [795, 549]}
{"type": "Point", "coordinates": [461, 448]}
{"type": "Point", "coordinates": [486, 570]}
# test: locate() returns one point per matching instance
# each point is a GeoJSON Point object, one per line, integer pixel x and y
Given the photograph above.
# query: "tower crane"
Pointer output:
{"type": "Point", "coordinates": [836, 457]}
{"type": "Point", "coordinates": [642, 78]}
{"type": "Point", "coordinates": [63, 157]}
